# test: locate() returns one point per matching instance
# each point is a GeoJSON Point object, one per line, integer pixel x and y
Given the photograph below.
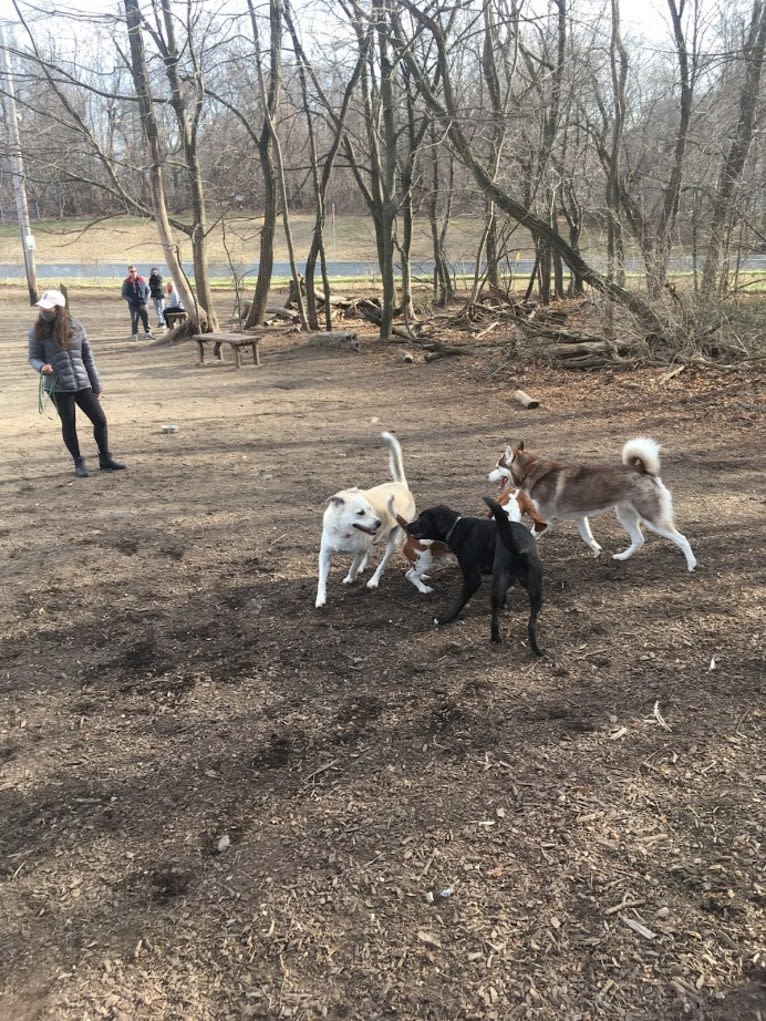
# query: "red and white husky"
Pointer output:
{"type": "Point", "coordinates": [572, 492]}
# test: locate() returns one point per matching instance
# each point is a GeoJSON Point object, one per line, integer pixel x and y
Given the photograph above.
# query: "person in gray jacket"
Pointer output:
{"type": "Point", "coordinates": [60, 350]}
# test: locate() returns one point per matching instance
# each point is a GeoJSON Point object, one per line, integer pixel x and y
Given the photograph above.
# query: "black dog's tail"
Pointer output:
{"type": "Point", "coordinates": [504, 527]}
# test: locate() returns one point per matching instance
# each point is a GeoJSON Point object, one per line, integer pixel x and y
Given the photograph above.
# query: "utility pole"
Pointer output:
{"type": "Point", "coordinates": [17, 172]}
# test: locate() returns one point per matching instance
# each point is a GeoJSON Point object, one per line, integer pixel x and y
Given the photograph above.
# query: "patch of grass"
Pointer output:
{"type": "Point", "coordinates": [125, 239]}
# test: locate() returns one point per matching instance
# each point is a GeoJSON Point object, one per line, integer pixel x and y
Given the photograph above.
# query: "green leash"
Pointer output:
{"type": "Point", "coordinates": [43, 394]}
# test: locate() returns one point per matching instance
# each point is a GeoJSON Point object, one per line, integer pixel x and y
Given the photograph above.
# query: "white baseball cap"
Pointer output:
{"type": "Point", "coordinates": [50, 299]}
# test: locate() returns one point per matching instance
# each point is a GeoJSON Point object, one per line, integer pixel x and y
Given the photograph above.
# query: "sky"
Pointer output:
{"type": "Point", "coordinates": [647, 16]}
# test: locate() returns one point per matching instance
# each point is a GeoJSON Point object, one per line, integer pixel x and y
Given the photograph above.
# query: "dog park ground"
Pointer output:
{"type": "Point", "coordinates": [217, 802]}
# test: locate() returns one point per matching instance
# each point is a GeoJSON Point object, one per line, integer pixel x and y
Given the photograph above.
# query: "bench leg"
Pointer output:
{"type": "Point", "coordinates": [201, 346]}
{"type": "Point", "coordinates": [237, 355]}
{"type": "Point", "coordinates": [256, 353]}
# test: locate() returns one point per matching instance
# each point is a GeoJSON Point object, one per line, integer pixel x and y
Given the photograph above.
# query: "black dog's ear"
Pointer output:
{"type": "Point", "coordinates": [492, 504]}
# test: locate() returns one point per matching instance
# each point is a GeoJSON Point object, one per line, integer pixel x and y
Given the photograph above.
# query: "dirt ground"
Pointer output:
{"type": "Point", "coordinates": [217, 802]}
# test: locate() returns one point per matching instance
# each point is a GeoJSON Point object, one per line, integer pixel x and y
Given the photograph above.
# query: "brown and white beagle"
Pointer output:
{"type": "Point", "coordinates": [422, 553]}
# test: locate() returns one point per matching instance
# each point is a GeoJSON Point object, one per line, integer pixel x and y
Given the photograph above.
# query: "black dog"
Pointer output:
{"type": "Point", "coordinates": [474, 541]}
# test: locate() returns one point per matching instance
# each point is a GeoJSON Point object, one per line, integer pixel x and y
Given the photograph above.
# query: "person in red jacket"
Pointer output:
{"type": "Point", "coordinates": [135, 291]}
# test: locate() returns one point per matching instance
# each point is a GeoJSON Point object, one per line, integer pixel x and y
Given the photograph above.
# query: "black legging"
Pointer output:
{"type": "Point", "coordinates": [87, 402]}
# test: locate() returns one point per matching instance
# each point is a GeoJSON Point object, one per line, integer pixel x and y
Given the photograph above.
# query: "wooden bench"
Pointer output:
{"type": "Point", "coordinates": [236, 342]}
{"type": "Point", "coordinates": [174, 316]}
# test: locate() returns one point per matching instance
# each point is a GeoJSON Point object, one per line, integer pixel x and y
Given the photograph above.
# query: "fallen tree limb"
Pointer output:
{"type": "Point", "coordinates": [370, 311]}
{"type": "Point", "coordinates": [487, 329]}
{"type": "Point", "coordinates": [434, 351]}
{"type": "Point", "coordinates": [524, 399]}
{"type": "Point", "coordinates": [572, 350]}
{"type": "Point", "coordinates": [556, 335]}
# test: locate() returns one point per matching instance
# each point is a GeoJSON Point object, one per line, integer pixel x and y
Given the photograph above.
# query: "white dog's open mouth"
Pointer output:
{"type": "Point", "coordinates": [363, 528]}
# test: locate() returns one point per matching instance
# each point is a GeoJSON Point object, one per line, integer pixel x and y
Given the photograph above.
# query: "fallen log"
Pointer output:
{"type": "Point", "coordinates": [672, 373]}
{"type": "Point", "coordinates": [571, 350]}
{"type": "Point", "coordinates": [524, 399]}
{"type": "Point", "coordinates": [436, 351]}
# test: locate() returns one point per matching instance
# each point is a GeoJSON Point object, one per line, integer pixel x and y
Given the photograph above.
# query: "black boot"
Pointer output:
{"type": "Point", "coordinates": [108, 464]}
{"type": "Point", "coordinates": [80, 469]}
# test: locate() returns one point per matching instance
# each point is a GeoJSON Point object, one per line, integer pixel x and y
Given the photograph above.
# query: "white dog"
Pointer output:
{"type": "Point", "coordinates": [355, 519]}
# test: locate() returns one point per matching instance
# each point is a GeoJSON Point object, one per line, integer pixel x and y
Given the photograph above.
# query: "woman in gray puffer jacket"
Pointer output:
{"type": "Point", "coordinates": [59, 349]}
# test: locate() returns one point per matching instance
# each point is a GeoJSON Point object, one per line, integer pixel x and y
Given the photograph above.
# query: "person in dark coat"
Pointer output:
{"type": "Point", "coordinates": [135, 291]}
{"type": "Point", "coordinates": [155, 289]}
{"type": "Point", "coordinates": [59, 349]}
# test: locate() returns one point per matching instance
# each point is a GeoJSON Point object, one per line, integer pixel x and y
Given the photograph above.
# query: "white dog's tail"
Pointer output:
{"type": "Point", "coordinates": [395, 458]}
{"type": "Point", "coordinates": [644, 453]}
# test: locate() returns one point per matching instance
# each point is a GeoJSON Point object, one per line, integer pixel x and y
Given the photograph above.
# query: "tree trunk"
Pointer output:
{"type": "Point", "coordinates": [265, 144]}
{"type": "Point", "coordinates": [17, 173]}
{"type": "Point", "coordinates": [197, 313]}
{"type": "Point", "coordinates": [320, 181]}
{"type": "Point", "coordinates": [714, 275]}
{"type": "Point", "coordinates": [447, 112]}
{"type": "Point", "coordinates": [187, 125]}
{"type": "Point", "coordinates": [376, 174]}
{"type": "Point", "coordinates": [443, 290]}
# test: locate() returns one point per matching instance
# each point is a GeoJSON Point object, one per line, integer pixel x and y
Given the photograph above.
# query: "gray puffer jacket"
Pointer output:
{"type": "Point", "coordinates": [73, 369]}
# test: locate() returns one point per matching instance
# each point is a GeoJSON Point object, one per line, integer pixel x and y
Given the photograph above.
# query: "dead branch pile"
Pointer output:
{"type": "Point", "coordinates": [560, 334]}
{"type": "Point", "coordinates": [557, 334]}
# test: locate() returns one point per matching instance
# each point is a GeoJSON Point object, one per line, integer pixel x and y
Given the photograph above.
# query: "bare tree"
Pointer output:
{"type": "Point", "coordinates": [448, 113]}
{"type": "Point", "coordinates": [618, 67]}
{"type": "Point", "coordinates": [69, 110]}
{"type": "Point", "coordinates": [83, 159]}
{"type": "Point", "coordinates": [374, 163]}
{"type": "Point", "coordinates": [499, 97]}
{"type": "Point", "coordinates": [17, 171]}
{"type": "Point", "coordinates": [653, 227]}
{"type": "Point", "coordinates": [187, 93]}
{"type": "Point", "coordinates": [321, 167]}
{"type": "Point", "coordinates": [268, 151]}
{"type": "Point", "coordinates": [551, 117]}
{"type": "Point", "coordinates": [723, 217]}
{"type": "Point", "coordinates": [548, 255]}
{"type": "Point", "coordinates": [439, 207]}
{"type": "Point", "coordinates": [415, 128]}
{"type": "Point", "coordinates": [199, 313]}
